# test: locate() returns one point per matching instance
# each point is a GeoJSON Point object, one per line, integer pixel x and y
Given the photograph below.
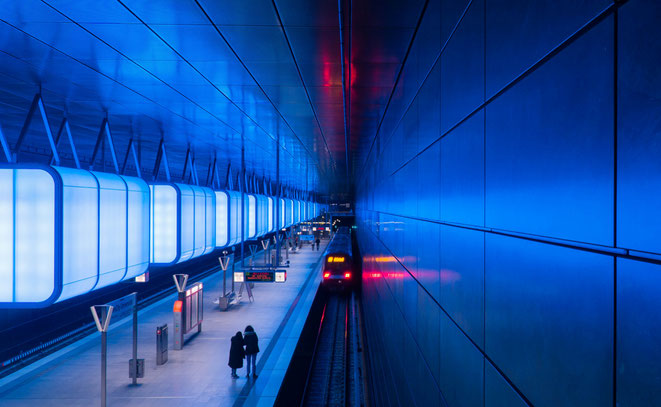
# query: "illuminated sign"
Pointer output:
{"type": "Point", "coordinates": [280, 276]}
{"type": "Point", "coordinates": [142, 278]}
{"type": "Point", "coordinates": [261, 276]}
{"type": "Point", "coordinates": [336, 259]}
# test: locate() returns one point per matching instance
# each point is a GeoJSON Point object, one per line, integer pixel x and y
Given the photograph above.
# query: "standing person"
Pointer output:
{"type": "Point", "coordinates": [237, 354]}
{"type": "Point", "coordinates": [317, 241]}
{"type": "Point", "coordinates": [252, 348]}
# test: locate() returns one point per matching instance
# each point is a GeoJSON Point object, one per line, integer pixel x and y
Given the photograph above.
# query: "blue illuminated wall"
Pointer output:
{"type": "Point", "coordinates": [508, 209]}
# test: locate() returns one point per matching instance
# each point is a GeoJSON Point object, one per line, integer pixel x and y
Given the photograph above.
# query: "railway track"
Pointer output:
{"type": "Point", "coordinates": [334, 376]}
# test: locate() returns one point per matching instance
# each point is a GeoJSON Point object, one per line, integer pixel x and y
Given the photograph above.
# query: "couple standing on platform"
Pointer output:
{"type": "Point", "coordinates": [237, 353]}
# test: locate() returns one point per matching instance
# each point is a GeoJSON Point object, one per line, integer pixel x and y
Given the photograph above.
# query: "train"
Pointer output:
{"type": "Point", "coordinates": [338, 271]}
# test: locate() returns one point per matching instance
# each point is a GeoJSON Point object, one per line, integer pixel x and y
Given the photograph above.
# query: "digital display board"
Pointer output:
{"type": "Point", "coordinates": [261, 276]}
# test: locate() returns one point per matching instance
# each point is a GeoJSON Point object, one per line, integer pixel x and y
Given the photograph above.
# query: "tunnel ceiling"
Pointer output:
{"type": "Point", "coordinates": [205, 73]}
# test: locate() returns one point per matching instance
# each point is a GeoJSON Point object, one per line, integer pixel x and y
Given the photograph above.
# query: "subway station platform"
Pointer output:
{"type": "Point", "coordinates": [198, 375]}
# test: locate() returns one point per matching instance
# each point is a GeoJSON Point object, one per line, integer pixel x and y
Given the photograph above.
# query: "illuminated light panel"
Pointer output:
{"type": "Point", "coordinates": [234, 217]}
{"type": "Point", "coordinates": [251, 219]}
{"type": "Point", "coordinates": [326, 275]}
{"type": "Point", "coordinates": [164, 234]}
{"type": "Point", "coordinates": [280, 276]}
{"type": "Point", "coordinates": [138, 227]}
{"type": "Point", "coordinates": [263, 218]}
{"type": "Point", "coordinates": [200, 221]}
{"type": "Point", "coordinates": [187, 216]}
{"type": "Point", "coordinates": [68, 233]}
{"type": "Point", "coordinates": [7, 235]}
{"type": "Point", "coordinates": [80, 231]}
{"type": "Point", "coordinates": [187, 222]}
{"type": "Point", "coordinates": [210, 222]}
{"type": "Point", "coordinates": [222, 219]}
{"type": "Point", "coordinates": [238, 277]}
{"type": "Point", "coordinates": [271, 226]}
{"type": "Point", "coordinates": [347, 275]}
{"type": "Point", "coordinates": [112, 228]}
{"type": "Point", "coordinates": [34, 235]}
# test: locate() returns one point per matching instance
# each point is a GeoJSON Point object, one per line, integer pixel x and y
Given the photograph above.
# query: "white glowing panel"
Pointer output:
{"type": "Point", "coordinates": [112, 228]}
{"type": "Point", "coordinates": [199, 231]}
{"type": "Point", "coordinates": [80, 231]}
{"type": "Point", "coordinates": [270, 215]}
{"type": "Point", "coordinates": [34, 238]}
{"type": "Point", "coordinates": [187, 222]}
{"type": "Point", "coordinates": [282, 213]}
{"type": "Point", "coordinates": [298, 211]}
{"type": "Point", "coordinates": [34, 235]}
{"type": "Point", "coordinates": [163, 220]}
{"type": "Point", "coordinates": [289, 212]}
{"type": "Point", "coordinates": [222, 219]}
{"type": "Point", "coordinates": [69, 233]}
{"type": "Point", "coordinates": [138, 227]}
{"type": "Point", "coordinates": [6, 235]}
{"type": "Point", "coordinates": [210, 220]}
{"type": "Point", "coordinates": [251, 220]}
{"type": "Point", "coordinates": [262, 214]}
{"type": "Point", "coordinates": [235, 217]}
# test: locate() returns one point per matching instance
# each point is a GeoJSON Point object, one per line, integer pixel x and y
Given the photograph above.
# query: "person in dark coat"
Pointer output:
{"type": "Point", "coordinates": [237, 354]}
{"type": "Point", "coordinates": [317, 241]}
{"type": "Point", "coordinates": [252, 348]}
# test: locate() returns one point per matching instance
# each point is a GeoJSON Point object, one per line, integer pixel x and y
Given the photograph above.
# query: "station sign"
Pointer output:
{"type": "Point", "coordinates": [124, 307]}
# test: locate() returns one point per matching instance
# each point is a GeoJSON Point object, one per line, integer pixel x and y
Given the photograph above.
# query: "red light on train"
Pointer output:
{"type": "Point", "coordinates": [326, 275]}
{"type": "Point", "coordinates": [347, 275]}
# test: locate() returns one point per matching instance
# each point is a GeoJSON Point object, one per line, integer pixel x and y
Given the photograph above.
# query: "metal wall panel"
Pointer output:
{"type": "Point", "coordinates": [639, 129]}
{"type": "Point", "coordinates": [462, 279]}
{"type": "Point", "coordinates": [462, 68]}
{"type": "Point", "coordinates": [549, 146]}
{"type": "Point", "coordinates": [462, 173]}
{"type": "Point", "coordinates": [428, 333]}
{"type": "Point", "coordinates": [539, 162]}
{"type": "Point", "coordinates": [638, 334]}
{"type": "Point", "coordinates": [429, 114]}
{"type": "Point", "coordinates": [429, 258]}
{"type": "Point", "coordinates": [462, 367]}
{"type": "Point", "coordinates": [521, 32]}
{"type": "Point", "coordinates": [429, 183]}
{"type": "Point", "coordinates": [549, 319]}
{"type": "Point", "coordinates": [497, 392]}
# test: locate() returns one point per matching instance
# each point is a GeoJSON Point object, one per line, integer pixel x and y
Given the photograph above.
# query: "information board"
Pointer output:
{"type": "Point", "coordinates": [261, 276]}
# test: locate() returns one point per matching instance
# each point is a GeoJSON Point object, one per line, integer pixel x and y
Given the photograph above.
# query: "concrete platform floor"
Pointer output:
{"type": "Point", "coordinates": [198, 375]}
